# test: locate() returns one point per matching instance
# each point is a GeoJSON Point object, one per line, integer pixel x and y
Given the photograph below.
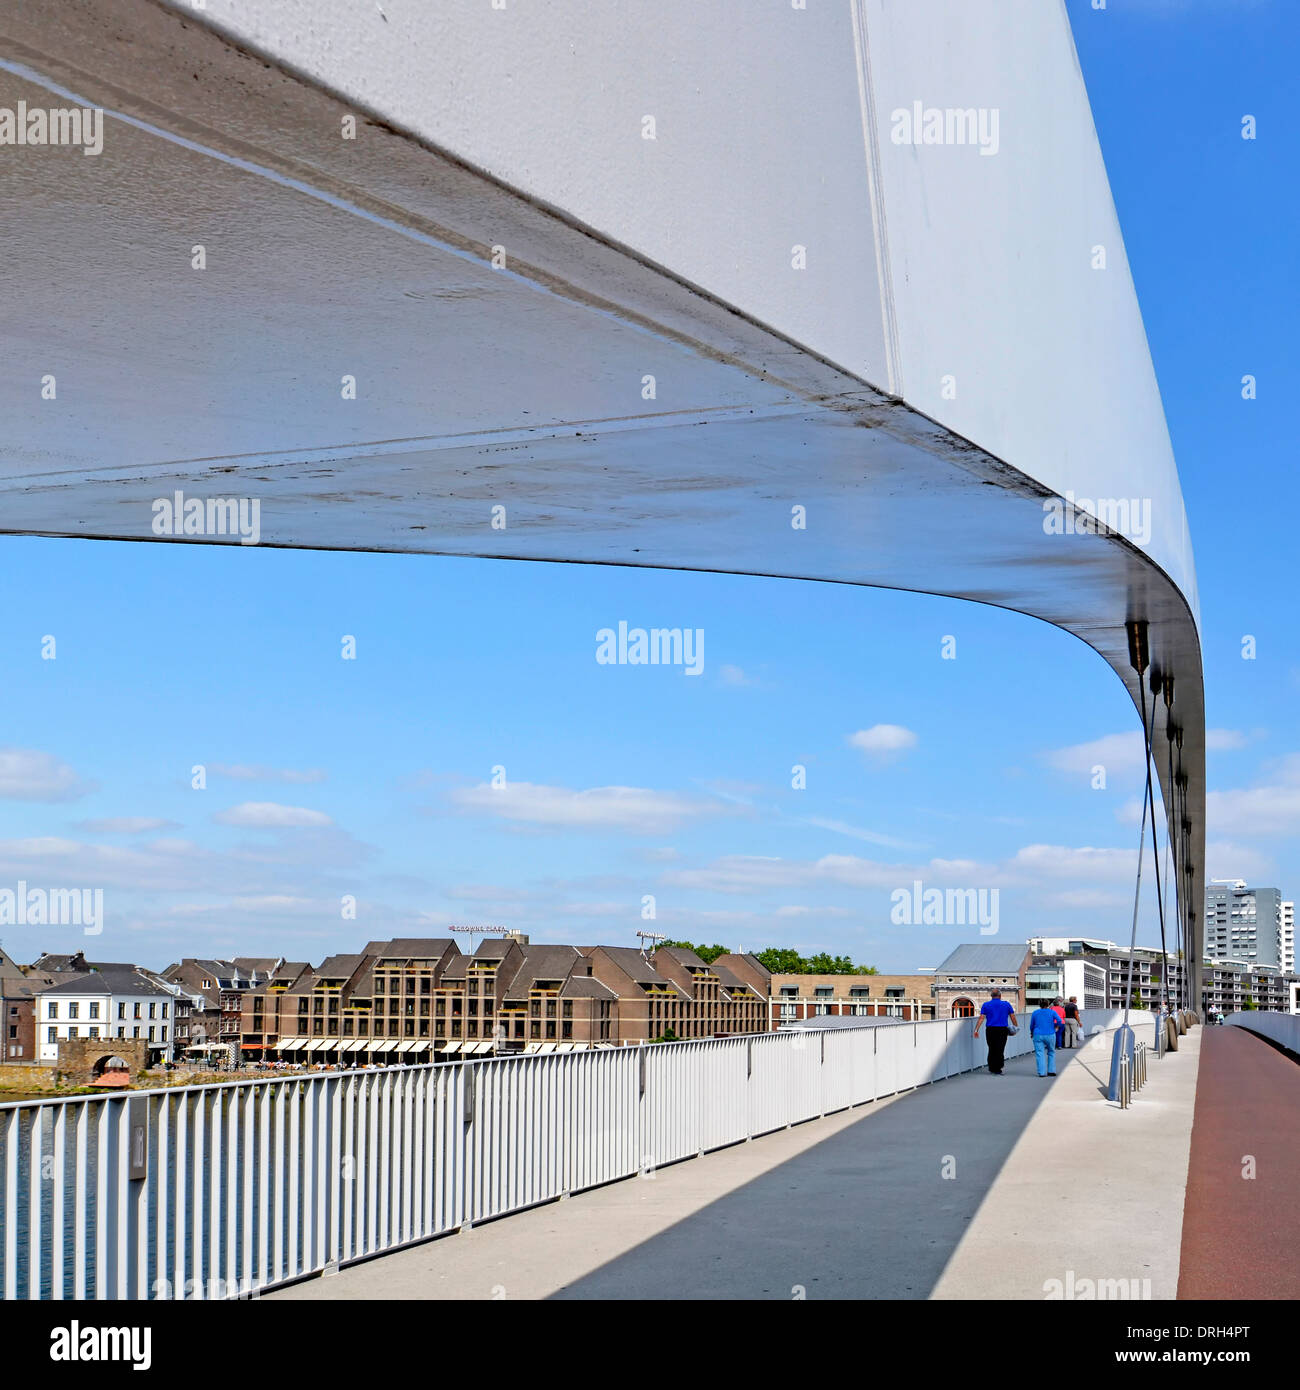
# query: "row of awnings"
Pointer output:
{"type": "Point", "coordinates": [350, 1045]}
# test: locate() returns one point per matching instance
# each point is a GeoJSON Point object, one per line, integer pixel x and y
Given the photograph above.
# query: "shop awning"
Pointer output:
{"type": "Point", "coordinates": [291, 1044]}
{"type": "Point", "coordinates": [450, 1048]}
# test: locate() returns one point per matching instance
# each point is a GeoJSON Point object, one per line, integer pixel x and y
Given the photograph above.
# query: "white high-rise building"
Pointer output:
{"type": "Point", "coordinates": [1286, 939]}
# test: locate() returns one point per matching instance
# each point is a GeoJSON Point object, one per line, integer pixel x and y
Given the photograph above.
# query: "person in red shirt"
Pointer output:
{"type": "Point", "coordinates": [1058, 1008]}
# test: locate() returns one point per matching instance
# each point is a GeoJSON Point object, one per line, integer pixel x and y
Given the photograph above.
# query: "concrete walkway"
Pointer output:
{"type": "Point", "coordinates": [977, 1186]}
{"type": "Point", "coordinates": [1090, 1191]}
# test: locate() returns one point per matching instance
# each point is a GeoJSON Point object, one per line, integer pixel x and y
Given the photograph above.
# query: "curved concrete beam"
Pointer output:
{"type": "Point", "coordinates": [868, 266]}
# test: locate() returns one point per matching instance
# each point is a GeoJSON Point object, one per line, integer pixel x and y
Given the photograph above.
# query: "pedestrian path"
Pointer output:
{"type": "Point", "coordinates": [977, 1186]}
{"type": "Point", "coordinates": [1090, 1192]}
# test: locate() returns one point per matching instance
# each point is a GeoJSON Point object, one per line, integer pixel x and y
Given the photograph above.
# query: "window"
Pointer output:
{"type": "Point", "coordinates": [73, 1010]}
{"type": "Point", "coordinates": [121, 1011]}
{"type": "Point", "coordinates": [72, 1032]}
{"type": "Point", "coordinates": [53, 1010]}
{"type": "Point", "coordinates": [13, 1030]}
{"type": "Point", "coordinates": [93, 1033]}
{"type": "Point", "coordinates": [257, 1004]}
{"type": "Point", "coordinates": [136, 1014]}
{"type": "Point", "coordinates": [51, 1035]}
{"type": "Point", "coordinates": [163, 1034]}
{"type": "Point", "coordinates": [94, 1009]}
{"type": "Point", "coordinates": [151, 1032]}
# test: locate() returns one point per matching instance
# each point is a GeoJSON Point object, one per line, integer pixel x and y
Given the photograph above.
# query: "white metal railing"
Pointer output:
{"type": "Point", "coordinates": [226, 1190]}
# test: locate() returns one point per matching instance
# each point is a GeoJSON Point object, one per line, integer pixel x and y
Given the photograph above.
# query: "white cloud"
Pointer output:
{"type": "Point", "coordinates": [1226, 860]}
{"type": "Point", "coordinates": [883, 738]}
{"type": "Point", "coordinates": [637, 809]}
{"type": "Point", "coordinates": [854, 832]}
{"type": "Point", "coordinates": [1115, 752]}
{"type": "Point", "coordinates": [264, 815]}
{"type": "Point", "coordinates": [256, 772]}
{"type": "Point", "coordinates": [1221, 740]}
{"type": "Point", "coordinates": [1061, 861]}
{"type": "Point", "coordinates": [29, 775]}
{"type": "Point", "coordinates": [735, 675]}
{"type": "Point", "coordinates": [126, 825]}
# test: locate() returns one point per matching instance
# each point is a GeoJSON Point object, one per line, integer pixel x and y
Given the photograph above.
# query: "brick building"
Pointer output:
{"type": "Point", "coordinates": [412, 999]}
{"type": "Point", "coordinates": [794, 998]}
{"type": "Point", "coordinates": [968, 976]}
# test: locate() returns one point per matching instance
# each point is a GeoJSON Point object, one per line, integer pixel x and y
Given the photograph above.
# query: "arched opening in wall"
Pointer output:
{"type": "Point", "coordinates": [963, 1008]}
{"type": "Point", "coordinates": [111, 1072]}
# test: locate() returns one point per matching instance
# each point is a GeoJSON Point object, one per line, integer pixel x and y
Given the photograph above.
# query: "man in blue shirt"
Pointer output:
{"type": "Point", "coordinates": [997, 1014]}
{"type": "Point", "coordinates": [1042, 1029]}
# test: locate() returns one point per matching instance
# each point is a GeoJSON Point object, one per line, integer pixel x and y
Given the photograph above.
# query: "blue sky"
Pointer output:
{"type": "Point", "coordinates": [370, 777]}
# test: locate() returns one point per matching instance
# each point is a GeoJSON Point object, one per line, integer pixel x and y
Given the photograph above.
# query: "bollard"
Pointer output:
{"type": "Point", "coordinates": [1123, 1081]}
{"type": "Point", "coordinates": [1122, 1048]}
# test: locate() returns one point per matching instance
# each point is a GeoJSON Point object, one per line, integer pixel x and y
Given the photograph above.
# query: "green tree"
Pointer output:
{"type": "Point", "coordinates": [1247, 1002]}
{"type": "Point", "coordinates": [708, 954]}
{"type": "Point", "coordinates": [668, 1036]}
{"type": "Point", "coordinates": [781, 960]}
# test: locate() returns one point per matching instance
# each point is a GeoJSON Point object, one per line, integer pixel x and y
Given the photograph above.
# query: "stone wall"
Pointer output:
{"type": "Point", "coordinates": [22, 1076]}
{"type": "Point", "coordinates": [78, 1056]}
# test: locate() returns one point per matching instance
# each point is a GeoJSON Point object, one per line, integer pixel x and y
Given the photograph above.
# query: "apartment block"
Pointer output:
{"type": "Point", "coordinates": [1248, 924]}
{"type": "Point", "coordinates": [420, 998]}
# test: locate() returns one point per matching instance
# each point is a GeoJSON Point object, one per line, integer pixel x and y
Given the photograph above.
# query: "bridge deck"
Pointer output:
{"type": "Point", "coordinates": [1046, 1178]}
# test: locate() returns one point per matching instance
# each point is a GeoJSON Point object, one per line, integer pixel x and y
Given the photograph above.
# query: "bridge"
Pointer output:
{"type": "Point", "coordinates": [561, 282]}
{"type": "Point", "coordinates": [877, 1162]}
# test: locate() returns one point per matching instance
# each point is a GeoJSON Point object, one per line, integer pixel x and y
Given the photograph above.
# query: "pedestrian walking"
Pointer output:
{"type": "Point", "coordinates": [1001, 1020]}
{"type": "Point", "coordinates": [1073, 1024]}
{"type": "Point", "coordinates": [1042, 1030]}
{"type": "Point", "coordinates": [1058, 1008]}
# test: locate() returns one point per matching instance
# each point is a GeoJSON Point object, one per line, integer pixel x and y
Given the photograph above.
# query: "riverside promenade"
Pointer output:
{"type": "Point", "coordinates": [1010, 1187]}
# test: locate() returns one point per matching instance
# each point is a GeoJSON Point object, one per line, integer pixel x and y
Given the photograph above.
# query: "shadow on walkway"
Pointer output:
{"type": "Point", "coordinates": [868, 1213]}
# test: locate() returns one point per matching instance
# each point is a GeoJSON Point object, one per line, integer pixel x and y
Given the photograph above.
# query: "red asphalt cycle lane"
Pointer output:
{"type": "Point", "coordinates": [1241, 1235]}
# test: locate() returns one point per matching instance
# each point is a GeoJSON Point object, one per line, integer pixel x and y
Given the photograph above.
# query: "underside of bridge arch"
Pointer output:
{"type": "Point", "coordinates": [422, 337]}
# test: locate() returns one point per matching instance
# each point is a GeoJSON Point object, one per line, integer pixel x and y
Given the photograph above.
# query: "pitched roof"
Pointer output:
{"type": "Point", "coordinates": [338, 967]}
{"type": "Point", "coordinates": [683, 957]}
{"type": "Point", "coordinates": [733, 983]}
{"type": "Point", "coordinates": [984, 959]}
{"type": "Point", "coordinates": [585, 987]}
{"type": "Point", "coordinates": [541, 963]}
{"type": "Point", "coordinates": [111, 981]}
{"type": "Point", "coordinates": [633, 963]}
{"type": "Point", "coordinates": [410, 947]}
